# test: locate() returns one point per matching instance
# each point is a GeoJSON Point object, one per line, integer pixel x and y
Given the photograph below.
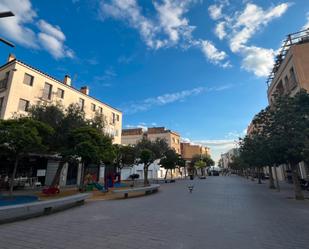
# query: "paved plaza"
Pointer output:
{"type": "Point", "coordinates": [222, 212]}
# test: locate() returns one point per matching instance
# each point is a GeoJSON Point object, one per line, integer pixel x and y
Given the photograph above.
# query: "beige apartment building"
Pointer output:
{"type": "Point", "coordinates": [188, 151]}
{"type": "Point", "coordinates": [291, 70]}
{"type": "Point", "coordinates": [290, 74]}
{"type": "Point", "coordinates": [22, 85]}
{"type": "Point", "coordinates": [132, 136]}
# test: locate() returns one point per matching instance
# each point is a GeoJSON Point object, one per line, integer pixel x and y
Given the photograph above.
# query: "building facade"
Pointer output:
{"type": "Point", "coordinates": [22, 86]}
{"type": "Point", "coordinates": [227, 158]}
{"type": "Point", "coordinates": [289, 75]}
{"type": "Point", "coordinates": [188, 151]}
{"type": "Point", "coordinates": [133, 136]}
{"type": "Point", "coordinates": [291, 70]}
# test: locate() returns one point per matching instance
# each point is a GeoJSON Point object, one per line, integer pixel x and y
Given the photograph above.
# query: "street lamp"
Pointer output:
{"type": "Point", "coordinates": [2, 15]}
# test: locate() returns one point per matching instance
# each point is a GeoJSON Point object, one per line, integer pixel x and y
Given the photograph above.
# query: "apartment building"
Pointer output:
{"type": "Point", "coordinates": [188, 151]}
{"type": "Point", "coordinates": [227, 158]}
{"type": "Point", "coordinates": [132, 136]}
{"type": "Point", "coordinates": [22, 85]}
{"type": "Point", "coordinates": [289, 75]}
{"type": "Point", "coordinates": [291, 69]}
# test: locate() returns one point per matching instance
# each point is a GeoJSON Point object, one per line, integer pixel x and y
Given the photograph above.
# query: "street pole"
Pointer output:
{"type": "Point", "coordinates": [3, 15]}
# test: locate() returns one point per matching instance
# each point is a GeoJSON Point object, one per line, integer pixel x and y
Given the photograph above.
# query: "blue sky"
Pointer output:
{"type": "Point", "coordinates": [194, 66]}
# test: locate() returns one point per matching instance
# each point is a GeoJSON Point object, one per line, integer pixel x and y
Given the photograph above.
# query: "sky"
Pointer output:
{"type": "Point", "coordinates": [197, 67]}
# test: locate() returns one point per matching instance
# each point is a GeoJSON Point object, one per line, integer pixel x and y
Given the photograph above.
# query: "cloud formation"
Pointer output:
{"type": "Point", "coordinates": [20, 29]}
{"type": "Point", "coordinates": [166, 28]}
{"type": "Point", "coordinates": [168, 98]}
{"type": "Point", "coordinates": [239, 28]}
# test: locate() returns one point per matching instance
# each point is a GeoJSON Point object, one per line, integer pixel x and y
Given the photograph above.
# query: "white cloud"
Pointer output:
{"type": "Point", "coordinates": [220, 30]}
{"type": "Point", "coordinates": [171, 19]}
{"type": "Point", "coordinates": [251, 20]}
{"type": "Point", "coordinates": [52, 39]}
{"type": "Point", "coordinates": [128, 10]}
{"type": "Point", "coordinates": [212, 53]}
{"type": "Point", "coordinates": [239, 28]}
{"type": "Point", "coordinates": [258, 60]}
{"type": "Point", "coordinates": [168, 27]}
{"type": "Point", "coordinates": [215, 11]}
{"type": "Point", "coordinates": [306, 26]}
{"type": "Point", "coordinates": [17, 29]}
{"type": "Point", "coordinates": [168, 98]}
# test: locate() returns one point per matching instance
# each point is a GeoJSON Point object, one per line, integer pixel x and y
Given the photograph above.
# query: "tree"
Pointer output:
{"type": "Point", "coordinates": [169, 161]}
{"type": "Point", "coordinates": [148, 151]}
{"type": "Point", "coordinates": [250, 151]}
{"type": "Point", "coordinates": [64, 121]}
{"type": "Point", "coordinates": [125, 156]}
{"type": "Point", "coordinates": [91, 146]}
{"type": "Point", "coordinates": [181, 164]}
{"type": "Point", "coordinates": [290, 122]}
{"type": "Point", "coordinates": [19, 137]}
{"type": "Point", "coordinates": [201, 165]}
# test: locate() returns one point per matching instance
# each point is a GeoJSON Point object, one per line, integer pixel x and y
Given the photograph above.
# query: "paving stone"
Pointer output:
{"type": "Point", "coordinates": [221, 213]}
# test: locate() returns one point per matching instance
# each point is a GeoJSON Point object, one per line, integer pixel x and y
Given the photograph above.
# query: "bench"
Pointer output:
{"type": "Point", "coordinates": [148, 190]}
{"type": "Point", "coordinates": [38, 208]}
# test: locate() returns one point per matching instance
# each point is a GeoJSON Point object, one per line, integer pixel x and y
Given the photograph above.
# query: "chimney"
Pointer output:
{"type": "Point", "coordinates": [11, 57]}
{"type": "Point", "coordinates": [67, 80]}
{"type": "Point", "coordinates": [85, 90]}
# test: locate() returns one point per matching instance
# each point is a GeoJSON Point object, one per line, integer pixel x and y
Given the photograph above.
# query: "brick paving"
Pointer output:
{"type": "Point", "coordinates": [222, 212]}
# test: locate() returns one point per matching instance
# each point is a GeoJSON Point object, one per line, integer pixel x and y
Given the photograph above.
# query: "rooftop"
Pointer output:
{"type": "Point", "coordinates": [291, 39]}
{"type": "Point", "coordinates": [53, 78]}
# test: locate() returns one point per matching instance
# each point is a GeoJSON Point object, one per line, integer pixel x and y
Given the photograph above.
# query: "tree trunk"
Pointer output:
{"type": "Point", "coordinates": [297, 188]}
{"type": "Point", "coordinates": [185, 171]}
{"type": "Point", "coordinates": [81, 185]}
{"type": "Point", "coordinates": [56, 179]}
{"type": "Point", "coordinates": [146, 175]}
{"type": "Point", "coordinates": [165, 174]}
{"type": "Point", "coordinates": [259, 176]}
{"type": "Point", "coordinates": [271, 178]}
{"type": "Point", "coordinates": [13, 175]}
{"type": "Point", "coordinates": [171, 173]}
{"type": "Point", "coordinates": [277, 180]}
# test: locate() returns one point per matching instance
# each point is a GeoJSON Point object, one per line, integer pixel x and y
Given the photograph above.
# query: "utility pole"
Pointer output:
{"type": "Point", "coordinates": [3, 15]}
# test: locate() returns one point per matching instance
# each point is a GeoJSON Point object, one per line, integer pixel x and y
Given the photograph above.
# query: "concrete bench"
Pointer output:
{"type": "Point", "coordinates": [148, 190]}
{"type": "Point", "coordinates": [33, 209]}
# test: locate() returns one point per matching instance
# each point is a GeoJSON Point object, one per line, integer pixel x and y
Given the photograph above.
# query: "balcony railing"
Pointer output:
{"type": "Point", "coordinates": [292, 39]}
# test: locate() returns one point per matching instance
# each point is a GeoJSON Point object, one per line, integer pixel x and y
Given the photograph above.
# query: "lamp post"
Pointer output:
{"type": "Point", "coordinates": [2, 15]}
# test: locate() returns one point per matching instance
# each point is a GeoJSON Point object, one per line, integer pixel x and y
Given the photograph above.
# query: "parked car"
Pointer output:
{"type": "Point", "coordinates": [215, 173]}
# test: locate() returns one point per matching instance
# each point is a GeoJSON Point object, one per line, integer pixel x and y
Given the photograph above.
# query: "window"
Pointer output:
{"type": "Point", "coordinates": [28, 79]}
{"type": "Point", "coordinates": [116, 133]}
{"type": "Point", "coordinates": [1, 103]}
{"type": "Point", "coordinates": [23, 105]}
{"type": "Point", "coordinates": [100, 110]}
{"type": "Point", "coordinates": [293, 80]}
{"type": "Point", "coordinates": [60, 93]}
{"type": "Point", "coordinates": [47, 91]}
{"type": "Point", "coordinates": [117, 117]}
{"type": "Point", "coordinates": [93, 107]}
{"type": "Point", "coordinates": [81, 103]}
{"type": "Point", "coordinates": [114, 118]}
{"type": "Point", "coordinates": [4, 81]}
